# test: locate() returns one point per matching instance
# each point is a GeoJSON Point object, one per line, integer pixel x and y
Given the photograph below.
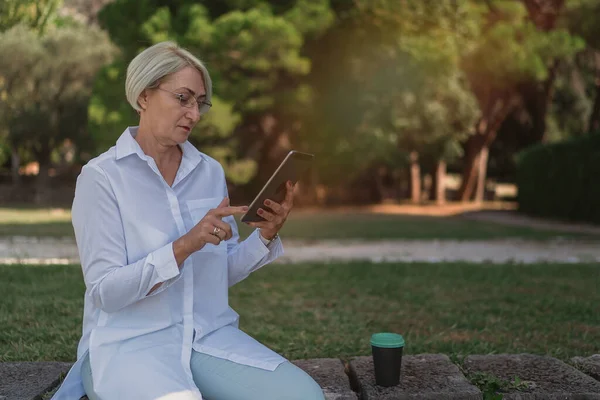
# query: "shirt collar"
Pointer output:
{"type": "Point", "coordinates": [127, 145]}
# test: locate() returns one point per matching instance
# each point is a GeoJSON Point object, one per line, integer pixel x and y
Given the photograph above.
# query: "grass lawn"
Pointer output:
{"type": "Point", "coordinates": [330, 310]}
{"type": "Point", "coordinates": [35, 222]}
{"type": "Point", "coordinates": [303, 225]}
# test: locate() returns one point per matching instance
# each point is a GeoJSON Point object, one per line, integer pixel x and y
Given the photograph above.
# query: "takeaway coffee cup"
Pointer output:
{"type": "Point", "coordinates": [387, 357]}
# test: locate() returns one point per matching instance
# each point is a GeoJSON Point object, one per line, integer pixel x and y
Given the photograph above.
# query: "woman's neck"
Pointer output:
{"type": "Point", "coordinates": [162, 154]}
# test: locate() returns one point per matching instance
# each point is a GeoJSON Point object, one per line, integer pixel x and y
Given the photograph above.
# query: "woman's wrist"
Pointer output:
{"type": "Point", "coordinates": [270, 236]}
{"type": "Point", "coordinates": [181, 249]}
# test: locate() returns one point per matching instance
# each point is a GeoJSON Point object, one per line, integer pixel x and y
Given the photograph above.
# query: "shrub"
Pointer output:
{"type": "Point", "coordinates": [561, 180]}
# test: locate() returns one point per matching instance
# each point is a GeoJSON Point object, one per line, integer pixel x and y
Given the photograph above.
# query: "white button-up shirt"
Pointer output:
{"type": "Point", "coordinates": [126, 218]}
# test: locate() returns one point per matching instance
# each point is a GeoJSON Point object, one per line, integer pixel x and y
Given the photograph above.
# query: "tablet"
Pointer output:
{"type": "Point", "coordinates": [292, 168]}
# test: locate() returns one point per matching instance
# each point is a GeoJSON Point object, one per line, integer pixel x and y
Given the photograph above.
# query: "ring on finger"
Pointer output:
{"type": "Point", "coordinates": [216, 231]}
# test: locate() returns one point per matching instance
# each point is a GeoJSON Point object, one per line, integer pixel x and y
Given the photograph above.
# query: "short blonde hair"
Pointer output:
{"type": "Point", "coordinates": [149, 67]}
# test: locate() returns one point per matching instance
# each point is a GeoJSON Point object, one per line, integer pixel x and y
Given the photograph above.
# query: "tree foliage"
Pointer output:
{"type": "Point", "coordinates": [362, 83]}
{"type": "Point", "coordinates": [46, 84]}
{"type": "Point", "coordinates": [36, 14]}
{"type": "Point", "coordinates": [253, 52]}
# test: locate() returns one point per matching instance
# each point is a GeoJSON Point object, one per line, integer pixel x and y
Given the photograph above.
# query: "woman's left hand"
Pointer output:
{"type": "Point", "coordinates": [276, 219]}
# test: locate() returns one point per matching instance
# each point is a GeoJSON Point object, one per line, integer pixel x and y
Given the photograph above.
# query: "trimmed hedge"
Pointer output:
{"type": "Point", "coordinates": [561, 180]}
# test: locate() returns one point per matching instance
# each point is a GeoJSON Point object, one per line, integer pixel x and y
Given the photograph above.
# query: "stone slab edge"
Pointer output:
{"type": "Point", "coordinates": [588, 365]}
{"type": "Point", "coordinates": [557, 380]}
{"type": "Point", "coordinates": [448, 383]}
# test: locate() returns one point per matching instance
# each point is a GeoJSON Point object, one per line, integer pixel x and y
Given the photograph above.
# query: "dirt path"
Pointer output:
{"type": "Point", "coordinates": [508, 217]}
{"type": "Point", "coordinates": [497, 212]}
{"type": "Point", "coordinates": [63, 251]}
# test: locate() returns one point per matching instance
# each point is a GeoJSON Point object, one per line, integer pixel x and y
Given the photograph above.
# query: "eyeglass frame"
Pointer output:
{"type": "Point", "coordinates": [195, 100]}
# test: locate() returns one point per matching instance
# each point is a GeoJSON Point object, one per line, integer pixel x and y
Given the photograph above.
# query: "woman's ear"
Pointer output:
{"type": "Point", "coordinates": [143, 100]}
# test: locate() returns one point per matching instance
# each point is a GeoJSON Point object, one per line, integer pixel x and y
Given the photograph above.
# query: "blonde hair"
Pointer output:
{"type": "Point", "coordinates": [149, 67]}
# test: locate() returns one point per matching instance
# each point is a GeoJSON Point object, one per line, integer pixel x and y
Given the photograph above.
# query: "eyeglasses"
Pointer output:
{"type": "Point", "coordinates": [189, 101]}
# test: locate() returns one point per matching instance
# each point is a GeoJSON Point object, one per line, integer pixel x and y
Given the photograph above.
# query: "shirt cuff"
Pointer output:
{"type": "Point", "coordinates": [164, 262]}
{"type": "Point", "coordinates": [262, 239]}
{"type": "Point", "coordinates": [268, 243]}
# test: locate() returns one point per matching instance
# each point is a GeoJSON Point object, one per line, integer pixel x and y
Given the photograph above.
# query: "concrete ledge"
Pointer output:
{"type": "Point", "coordinates": [540, 378]}
{"type": "Point", "coordinates": [330, 374]}
{"type": "Point", "coordinates": [589, 365]}
{"type": "Point", "coordinates": [427, 377]}
{"type": "Point", "coordinates": [29, 380]}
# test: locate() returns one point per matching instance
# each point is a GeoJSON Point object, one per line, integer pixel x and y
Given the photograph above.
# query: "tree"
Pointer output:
{"type": "Point", "coordinates": [388, 82]}
{"type": "Point", "coordinates": [25, 50]}
{"type": "Point", "coordinates": [36, 14]}
{"type": "Point", "coordinates": [85, 9]}
{"type": "Point", "coordinates": [538, 95]}
{"type": "Point", "coordinates": [511, 51]}
{"type": "Point", "coordinates": [581, 19]}
{"type": "Point", "coordinates": [253, 51]}
{"type": "Point", "coordinates": [426, 123]}
{"type": "Point", "coordinates": [47, 92]}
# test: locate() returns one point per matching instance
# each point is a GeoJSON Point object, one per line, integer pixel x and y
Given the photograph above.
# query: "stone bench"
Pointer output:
{"type": "Point", "coordinates": [424, 376]}
{"type": "Point", "coordinates": [532, 377]}
{"type": "Point", "coordinates": [30, 380]}
{"type": "Point", "coordinates": [589, 365]}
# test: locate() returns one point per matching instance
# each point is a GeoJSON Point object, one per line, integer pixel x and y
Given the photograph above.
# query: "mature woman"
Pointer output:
{"type": "Point", "coordinates": [159, 250]}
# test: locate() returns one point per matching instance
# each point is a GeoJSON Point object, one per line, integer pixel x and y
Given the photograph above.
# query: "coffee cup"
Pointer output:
{"type": "Point", "coordinates": [387, 351]}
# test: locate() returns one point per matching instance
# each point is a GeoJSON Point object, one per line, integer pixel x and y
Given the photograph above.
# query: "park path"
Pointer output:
{"type": "Point", "coordinates": [27, 250]}
{"type": "Point", "coordinates": [514, 218]}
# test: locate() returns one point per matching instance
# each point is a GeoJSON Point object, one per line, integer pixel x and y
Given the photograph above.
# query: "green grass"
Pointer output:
{"type": "Point", "coordinates": [35, 222]}
{"type": "Point", "coordinates": [380, 226]}
{"type": "Point", "coordinates": [312, 226]}
{"type": "Point", "coordinates": [330, 310]}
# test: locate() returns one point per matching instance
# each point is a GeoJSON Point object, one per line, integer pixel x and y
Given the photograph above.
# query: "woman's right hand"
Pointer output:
{"type": "Point", "coordinates": [204, 231]}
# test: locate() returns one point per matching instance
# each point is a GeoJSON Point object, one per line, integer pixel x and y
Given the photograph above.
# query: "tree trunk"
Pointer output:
{"type": "Point", "coordinates": [594, 124]}
{"type": "Point", "coordinates": [577, 82]}
{"type": "Point", "coordinates": [470, 170]}
{"type": "Point", "coordinates": [438, 188]}
{"type": "Point", "coordinates": [544, 14]}
{"type": "Point", "coordinates": [485, 133]}
{"type": "Point", "coordinates": [542, 102]}
{"type": "Point", "coordinates": [415, 178]}
{"type": "Point", "coordinates": [14, 166]}
{"type": "Point", "coordinates": [475, 170]}
{"type": "Point", "coordinates": [482, 160]}
{"type": "Point", "coordinates": [432, 195]}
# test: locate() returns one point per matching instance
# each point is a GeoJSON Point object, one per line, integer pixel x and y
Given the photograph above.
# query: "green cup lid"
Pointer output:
{"type": "Point", "coordinates": [387, 340]}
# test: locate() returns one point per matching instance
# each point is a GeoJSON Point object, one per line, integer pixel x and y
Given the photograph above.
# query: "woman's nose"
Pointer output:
{"type": "Point", "coordinates": [194, 113]}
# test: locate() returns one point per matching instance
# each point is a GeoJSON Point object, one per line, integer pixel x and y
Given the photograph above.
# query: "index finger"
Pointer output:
{"type": "Point", "coordinates": [227, 211]}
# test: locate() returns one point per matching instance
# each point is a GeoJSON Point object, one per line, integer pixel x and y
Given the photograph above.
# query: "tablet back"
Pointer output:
{"type": "Point", "coordinates": [293, 168]}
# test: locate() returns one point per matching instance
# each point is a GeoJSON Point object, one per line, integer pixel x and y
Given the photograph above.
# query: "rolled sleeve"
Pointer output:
{"type": "Point", "coordinates": [250, 255]}
{"type": "Point", "coordinates": [164, 262]}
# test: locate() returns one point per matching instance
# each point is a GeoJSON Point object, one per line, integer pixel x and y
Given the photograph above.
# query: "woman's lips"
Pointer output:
{"type": "Point", "coordinates": [186, 128]}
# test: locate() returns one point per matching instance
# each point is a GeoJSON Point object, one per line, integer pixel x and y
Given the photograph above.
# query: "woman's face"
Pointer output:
{"type": "Point", "coordinates": [163, 109]}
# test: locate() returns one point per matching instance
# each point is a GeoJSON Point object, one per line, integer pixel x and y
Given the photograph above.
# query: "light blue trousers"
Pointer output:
{"type": "Point", "coordinates": [220, 379]}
